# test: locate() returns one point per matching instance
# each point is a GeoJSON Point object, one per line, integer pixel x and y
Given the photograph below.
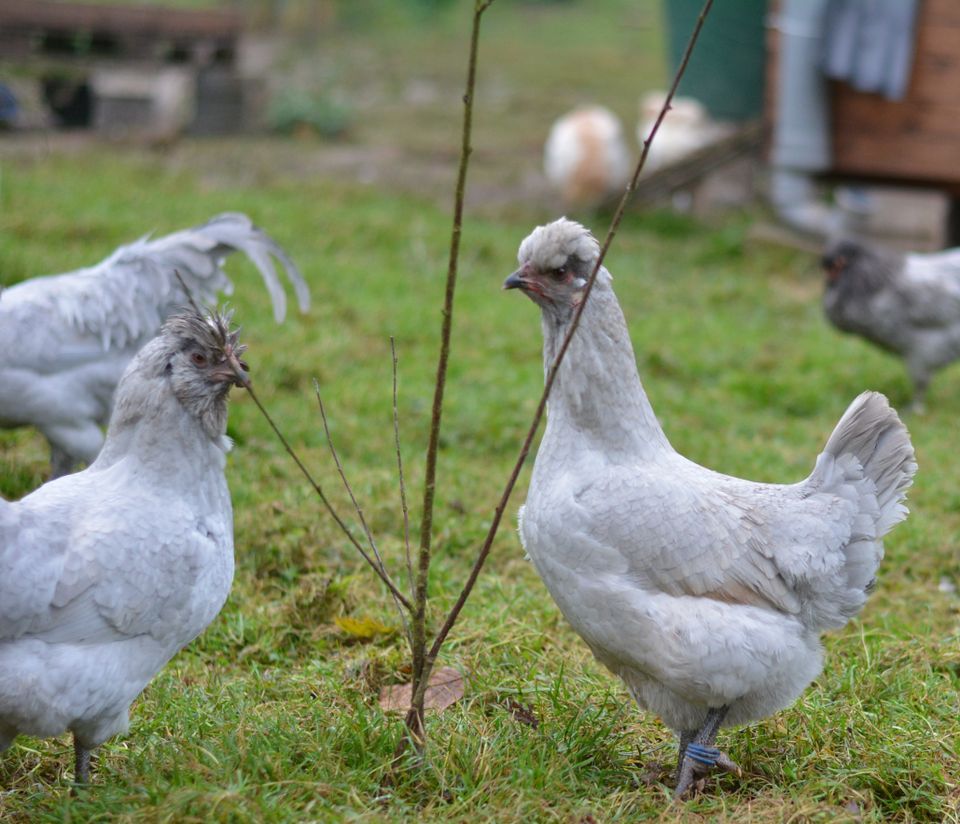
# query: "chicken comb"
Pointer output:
{"type": "Point", "coordinates": [210, 330]}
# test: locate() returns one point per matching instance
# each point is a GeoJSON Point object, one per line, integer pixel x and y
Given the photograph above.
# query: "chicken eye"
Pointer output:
{"type": "Point", "coordinates": [558, 274]}
{"type": "Point", "coordinates": [198, 359]}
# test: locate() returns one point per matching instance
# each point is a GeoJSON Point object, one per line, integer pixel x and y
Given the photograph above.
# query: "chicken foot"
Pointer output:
{"type": "Point", "coordinates": [698, 755]}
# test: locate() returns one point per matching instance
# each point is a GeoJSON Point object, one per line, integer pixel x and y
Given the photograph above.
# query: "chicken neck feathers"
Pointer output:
{"type": "Point", "coordinates": [683, 529]}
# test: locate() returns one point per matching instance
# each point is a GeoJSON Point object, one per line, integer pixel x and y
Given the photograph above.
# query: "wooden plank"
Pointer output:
{"type": "Point", "coordinates": [662, 182]}
{"type": "Point", "coordinates": [916, 139]}
{"type": "Point", "coordinates": [864, 116]}
{"type": "Point", "coordinates": [122, 19]}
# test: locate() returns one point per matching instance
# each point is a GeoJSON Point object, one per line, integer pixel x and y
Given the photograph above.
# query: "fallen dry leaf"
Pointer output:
{"type": "Point", "coordinates": [444, 688]}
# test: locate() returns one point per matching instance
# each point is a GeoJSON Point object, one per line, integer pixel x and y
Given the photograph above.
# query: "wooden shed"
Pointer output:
{"type": "Point", "coordinates": [906, 151]}
{"type": "Point", "coordinates": [129, 69]}
{"type": "Point", "coordinates": [915, 140]}
{"type": "Point", "coordinates": [50, 30]}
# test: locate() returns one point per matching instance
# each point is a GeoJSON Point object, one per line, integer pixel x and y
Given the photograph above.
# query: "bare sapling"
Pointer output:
{"type": "Point", "coordinates": [412, 606]}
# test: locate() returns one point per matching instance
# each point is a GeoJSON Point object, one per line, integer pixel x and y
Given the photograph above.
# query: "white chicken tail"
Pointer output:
{"type": "Point", "coordinates": [869, 462]}
{"type": "Point", "coordinates": [123, 300]}
{"type": "Point", "coordinates": [220, 236]}
{"type": "Point", "coordinates": [872, 432]}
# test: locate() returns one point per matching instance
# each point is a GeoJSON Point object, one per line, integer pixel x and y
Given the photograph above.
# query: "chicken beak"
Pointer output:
{"type": "Point", "coordinates": [241, 372]}
{"type": "Point", "coordinates": [834, 266]}
{"type": "Point", "coordinates": [232, 370]}
{"type": "Point", "coordinates": [515, 281]}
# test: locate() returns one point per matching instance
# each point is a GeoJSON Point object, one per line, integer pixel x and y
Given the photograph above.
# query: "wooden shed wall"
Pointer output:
{"type": "Point", "coordinates": [917, 139]}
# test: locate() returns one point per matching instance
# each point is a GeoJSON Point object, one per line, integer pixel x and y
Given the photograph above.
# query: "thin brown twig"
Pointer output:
{"type": "Point", "coordinates": [420, 676]}
{"type": "Point", "coordinates": [323, 498]}
{"type": "Point", "coordinates": [398, 596]}
{"type": "Point", "coordinates": [403, 484]}
{"type": "Point", "coordinates": [187, 291]}
{"type": "Point", "coordinates": [343, 476]}
{"type": "Point", "coordinates": [382, 572]}
{"type": "Point", "coordinates": [356, 504]}
{"type": "Point", "coordinates": [455, 610]}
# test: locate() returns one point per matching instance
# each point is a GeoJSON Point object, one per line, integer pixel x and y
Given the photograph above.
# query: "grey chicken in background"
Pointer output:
{"type": "Point", "coordinates": [66, 339]}
{"type": "Point", "coordinates": [706, 594]}
{"type": "Point", "coordinates": [907, 304]}
{"type": "Point", "coordinates": [106, 574]}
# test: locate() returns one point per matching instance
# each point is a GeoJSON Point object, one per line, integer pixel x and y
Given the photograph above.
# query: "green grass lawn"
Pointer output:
{"type": "Point", "coordinates": [273, 715]}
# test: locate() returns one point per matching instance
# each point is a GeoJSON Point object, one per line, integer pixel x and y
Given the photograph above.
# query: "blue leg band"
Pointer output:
{"type": "Point", "coordinates": [704, 755]}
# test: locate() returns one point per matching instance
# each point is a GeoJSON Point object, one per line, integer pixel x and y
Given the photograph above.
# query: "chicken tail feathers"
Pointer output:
{"type": "Point", "coordinates": [123, 300]}
{"type": "Point", "coordinates": [871, 432]}
{"type": "Point", "coordinates": [868, 464]}
{"type": "Point", "coordinates": [235, 231]}
{"type": "Point", "coordinates": [865, 470]}
{"type": "Point", "coordinates": [227, 233]}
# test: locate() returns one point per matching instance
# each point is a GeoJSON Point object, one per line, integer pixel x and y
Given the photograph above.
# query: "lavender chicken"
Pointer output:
{"type": "Point", "coordinates": [107, 573]}
{"type": "Point", "coordinates": [66, 339]}
{"type": "Point", "coordinates": [705, 593]}
{"type": "Point", "coordinates": [907, 304]}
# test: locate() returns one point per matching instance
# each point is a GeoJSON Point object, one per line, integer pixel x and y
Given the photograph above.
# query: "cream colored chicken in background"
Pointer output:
{"type": "Point", "coordinates": [686, 128]}
{"type": "Point", "coordinates": [586, 158]}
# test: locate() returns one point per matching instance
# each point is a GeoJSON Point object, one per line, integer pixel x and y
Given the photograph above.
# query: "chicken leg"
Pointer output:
{"type": "Point", "coordinates": [698, 755]}
{"type": "Point", "coordinates": [686, 736]}
{"type": "Point", "coordinates": [920, 378]}
{"type": "Point", "coordinates": [81, 764]}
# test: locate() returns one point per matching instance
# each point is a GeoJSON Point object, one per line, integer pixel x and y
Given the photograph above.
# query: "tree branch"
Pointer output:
{"type": "Point", "coordinates": [329, 507]}
{"type": "Point", "coordinates": [356, 504]}
{"type": "Point", "coordinates": [429, 485]}
{"type": "Point", "coordinates": [398, 597]}
{"type": "Point", "coordinates": [552, 372]}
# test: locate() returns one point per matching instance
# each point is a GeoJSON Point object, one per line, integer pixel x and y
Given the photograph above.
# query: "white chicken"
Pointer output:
{"type": "Point", "coordinates": [586, 157]}
{"type": "Point", "coordinates": [66, 339]}
{"type": "Point", "coordinates": [686, 128]}
{"type": "Point", "coordinates": [106, 574]}
{"type": "Point", "coordinates": [705, 593]}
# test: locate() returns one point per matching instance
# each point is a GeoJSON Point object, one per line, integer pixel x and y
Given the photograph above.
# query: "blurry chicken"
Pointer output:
{"type": "Point", "coordinates": [106, 574]}
{"type": "Point", "coordinates": [586, 157]}
{"type": "Point", "coordinates": [66, 339]}
{"type": "Point", "coordinates": [705, 593]}
{"type": "Point", "coordinates": [686, 128]}
{"type": "Point", "coordinates": [906, 304]}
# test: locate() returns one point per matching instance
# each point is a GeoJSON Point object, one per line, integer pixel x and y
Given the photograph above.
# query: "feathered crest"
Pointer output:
{"type": "Point", "coordinates": [210, 330]}
{"type": "Point", "coordinates": [549, 247]}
